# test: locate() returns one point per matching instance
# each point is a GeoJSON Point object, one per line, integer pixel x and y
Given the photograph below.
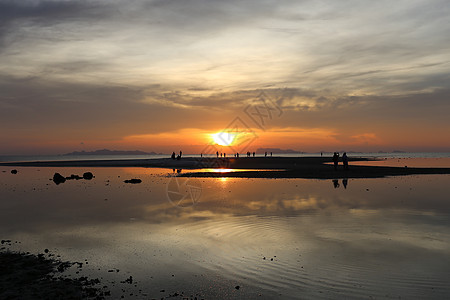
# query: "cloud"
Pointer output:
{"type": "Point", "coordinates": [121, 68]}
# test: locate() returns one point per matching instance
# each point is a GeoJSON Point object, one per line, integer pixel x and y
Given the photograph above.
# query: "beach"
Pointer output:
{"type": "Point", "coordinates": [255, 167]}
{"type": "Point", "coordinates": [227, 233]}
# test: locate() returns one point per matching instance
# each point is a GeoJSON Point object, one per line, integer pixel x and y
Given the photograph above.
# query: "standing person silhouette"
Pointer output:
{"type": "Point", "coordinates": [335, 160]}
{"type": "Point", "coordinates": [345, 160]}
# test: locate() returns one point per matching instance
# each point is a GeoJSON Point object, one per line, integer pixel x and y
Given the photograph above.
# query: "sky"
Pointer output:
{"type": "Point", "coordinates": [165, 75]}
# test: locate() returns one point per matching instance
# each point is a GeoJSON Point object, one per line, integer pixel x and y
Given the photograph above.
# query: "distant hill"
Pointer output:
{"type": "Point", "coordinates": [110, 152]}
{"type": "Point", "coordinates": [277, 150]}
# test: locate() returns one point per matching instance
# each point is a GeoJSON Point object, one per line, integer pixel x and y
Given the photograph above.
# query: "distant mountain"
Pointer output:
{"type": "Point", "coordinates": [110, 152]}
{"type": "Point", "coordinates": [277, 150]}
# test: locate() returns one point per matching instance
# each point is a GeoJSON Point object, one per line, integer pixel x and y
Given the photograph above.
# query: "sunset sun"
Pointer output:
{"type": "Point", "coordinates": [223, 138]}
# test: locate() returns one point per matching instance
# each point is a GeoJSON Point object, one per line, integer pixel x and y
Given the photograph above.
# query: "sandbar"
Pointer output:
{"type": "Point", "coordinates": [256, 167]}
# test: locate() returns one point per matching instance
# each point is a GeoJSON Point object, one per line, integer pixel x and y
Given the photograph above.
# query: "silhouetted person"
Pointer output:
{"type": "Point", "coordinates": [181, 153]}
{"type": "Point", "coordinates": [345, 182]}
{"type": "Point", "coordinates": [265, 154]}
{"type": "Point", "coordinates": [321, 154]}
{"type": "Point", "coordinates": [270, 154]}
{"type": "Point", "coordinates": [224, 155]}
{"type": "Point", "coordinates": [335, 160]}
{"type": "Point", "coordinates": [335, 183]}
{"type": "Point", "coordinates": [253, 154]}
{"type": "Point", "coordinates": [345, 160]}
{"type": "Point", "coordinates": [173, 155]}
{"type": "Point", "coordinates": [201, 154]}
{"type": "Point", "coordinates": [217, 153]}
{"type": "Point", "coordinates": [178, 157]}
{"type": "Point", "coordinates": [237, 155]}
{"type": "Point", "coordinates": [221, 154]}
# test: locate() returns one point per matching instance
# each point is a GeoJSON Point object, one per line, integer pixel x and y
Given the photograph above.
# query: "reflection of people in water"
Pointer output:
{"type": "Point", "coordinates": [335, 183]}
{"type": "Point", "coordinates": [179, 171]}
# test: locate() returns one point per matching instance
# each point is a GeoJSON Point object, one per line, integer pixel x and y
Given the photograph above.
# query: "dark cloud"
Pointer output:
{"type": "Point", "coordinates": [158, 66]}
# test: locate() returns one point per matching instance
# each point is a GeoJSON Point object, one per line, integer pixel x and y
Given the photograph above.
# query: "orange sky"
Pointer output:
{"type": "Point", "coordinates": [162, 77]}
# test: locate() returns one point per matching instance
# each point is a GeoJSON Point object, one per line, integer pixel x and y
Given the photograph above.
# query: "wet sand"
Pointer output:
{"type": "Point", "coordinates": [30, 276]}
{"type": "Point", "coordinates": [274, 167]}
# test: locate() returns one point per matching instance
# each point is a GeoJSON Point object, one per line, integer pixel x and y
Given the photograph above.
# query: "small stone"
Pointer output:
{"type": "Point", "coordinates": [14, 171]}
{"type": "Point", "coordinates": [88, 175]}
{"type": "Point", "coordinates": [133, 181]}
{"type": "Point", "coordinates": [237, 287]}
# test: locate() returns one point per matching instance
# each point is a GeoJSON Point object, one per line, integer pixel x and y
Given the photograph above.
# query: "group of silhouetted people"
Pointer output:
{"type": "Point", "coordinates": [344, 160]}
{"type": "Point", "coordinates": [177, 157]}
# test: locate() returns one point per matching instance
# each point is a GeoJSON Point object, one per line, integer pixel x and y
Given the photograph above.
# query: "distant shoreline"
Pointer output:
{"type": "Point", "coordinates": [260, 167]}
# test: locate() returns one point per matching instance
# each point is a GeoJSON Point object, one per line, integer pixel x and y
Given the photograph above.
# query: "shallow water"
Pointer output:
{"type": "Point", "coordinates": [274, 238]}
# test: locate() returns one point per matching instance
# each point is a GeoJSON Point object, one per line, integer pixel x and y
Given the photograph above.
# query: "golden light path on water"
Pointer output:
{"type": "Point", "coordinates": [320, 239]}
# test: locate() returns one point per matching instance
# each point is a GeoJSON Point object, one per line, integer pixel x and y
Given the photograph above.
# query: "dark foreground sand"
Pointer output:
{"type": "Point", "coordinates": [264, 167]}
{"type": "Point", "coordinates": [29, 276]}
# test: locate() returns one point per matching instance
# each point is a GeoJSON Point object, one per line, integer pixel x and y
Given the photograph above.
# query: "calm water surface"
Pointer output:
{"type": "Point", "coordinates": [274, 238]}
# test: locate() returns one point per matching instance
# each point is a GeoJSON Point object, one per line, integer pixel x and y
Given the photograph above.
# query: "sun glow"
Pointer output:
{"type": "Point", "coordinates": [223, 138]}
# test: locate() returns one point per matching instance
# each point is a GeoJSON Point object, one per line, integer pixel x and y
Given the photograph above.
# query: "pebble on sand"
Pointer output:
{"type": "Point", "coordinates": [134, 180]}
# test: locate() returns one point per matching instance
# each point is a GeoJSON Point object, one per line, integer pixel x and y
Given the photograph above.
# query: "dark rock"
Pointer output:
{"type": "Point", "coordinates": [134, 180]}
{"type": "Point", "coordinates": [237, 287]}
{"type": "Point", "coordinates": [14, 171]}
{"type": "Point", "coordinates": [58, 178]}
{"type": "Point", "coordinates": [73, 176]}
{"type": "Point", "coordinates": [88, 175]}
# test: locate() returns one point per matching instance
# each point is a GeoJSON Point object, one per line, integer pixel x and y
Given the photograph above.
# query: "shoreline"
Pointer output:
{"type": "Point", "coordinates": [274, 167]}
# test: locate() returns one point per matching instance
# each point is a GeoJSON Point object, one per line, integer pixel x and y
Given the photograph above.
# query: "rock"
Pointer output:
{"type": "Point", "coordinates": [58, 178]}
{"type": "Point", "coordinates": [74, 177]}
{"type": "Point", "coordinates": [237, 287]}
{"type": "Point", "coordinates": [134, 180]}
{"type": "Point", "coordinates": [88, 175]}
{"type": "Point", "coordinates": [14, 171]}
